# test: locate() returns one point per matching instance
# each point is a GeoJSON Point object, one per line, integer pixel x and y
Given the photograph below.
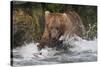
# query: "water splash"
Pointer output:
{"type": "Point", "coordinates": [81, 51]}
{"type": "Point", "coordinates": [78, 44]}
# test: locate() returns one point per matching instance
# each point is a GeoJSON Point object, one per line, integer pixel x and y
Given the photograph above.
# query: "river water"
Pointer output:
{"type": "Point", "coordinates": [81, 51]}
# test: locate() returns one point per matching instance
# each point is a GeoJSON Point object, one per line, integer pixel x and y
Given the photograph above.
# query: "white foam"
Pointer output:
{"type": "Point", "coordinates": [48, 52]}
{"type": "Point", "coordinates": [32, 55]}
{"type": "Point", "coordinates": [28, 50]}
{"type": "Point", "coordinates": [80, 44]}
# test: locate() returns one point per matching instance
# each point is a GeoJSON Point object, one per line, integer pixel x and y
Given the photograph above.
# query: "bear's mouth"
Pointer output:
{"type": "Point", "coordinates": [55, 36]}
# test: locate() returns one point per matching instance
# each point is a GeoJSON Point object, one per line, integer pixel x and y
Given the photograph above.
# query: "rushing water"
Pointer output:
{"type": "Point", "coordinates": [81, 51]}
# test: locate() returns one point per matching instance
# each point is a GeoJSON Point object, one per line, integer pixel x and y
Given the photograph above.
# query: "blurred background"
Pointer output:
{"type": "Point", "coordinates": [27, 20]}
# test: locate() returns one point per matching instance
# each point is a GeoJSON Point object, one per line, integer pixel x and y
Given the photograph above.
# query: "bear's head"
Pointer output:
{"type": "Point", "coordinates": [55, 23]}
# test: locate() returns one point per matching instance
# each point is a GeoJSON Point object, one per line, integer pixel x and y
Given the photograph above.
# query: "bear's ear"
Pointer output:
{"type": "Point", "coordinates": [47, 13]}
{"type": "Point", "coordinates": [64, 14]}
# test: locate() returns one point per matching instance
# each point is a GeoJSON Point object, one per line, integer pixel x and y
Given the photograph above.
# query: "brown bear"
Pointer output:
{"type": "Point", "coordinates": [61, 24]}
